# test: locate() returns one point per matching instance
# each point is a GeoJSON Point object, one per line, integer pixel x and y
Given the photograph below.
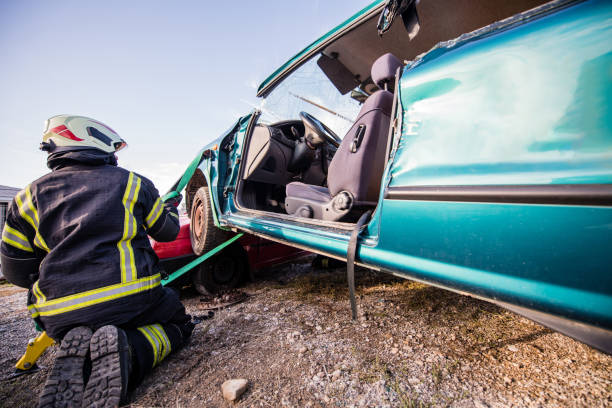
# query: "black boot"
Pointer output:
{"type": "Point", "coordinates": [64, 386]}
{"type": "Point", "coordinates": [110, 368]}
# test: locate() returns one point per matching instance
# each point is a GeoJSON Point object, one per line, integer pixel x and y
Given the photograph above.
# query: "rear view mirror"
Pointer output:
{"type": "Point", "coordinates": [405, 8]}
{"type": "Point", "coordinates": [385, 20]}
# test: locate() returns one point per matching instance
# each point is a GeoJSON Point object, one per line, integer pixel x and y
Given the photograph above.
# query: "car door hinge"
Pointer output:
{"type": "Point", "coordinates": [228, 146]}
{"type": "Point", "coordinates": [227, 190]}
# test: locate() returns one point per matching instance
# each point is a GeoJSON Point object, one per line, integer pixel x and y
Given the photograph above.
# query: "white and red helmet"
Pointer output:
{"type": "Point", "coordinates": [79, 132]}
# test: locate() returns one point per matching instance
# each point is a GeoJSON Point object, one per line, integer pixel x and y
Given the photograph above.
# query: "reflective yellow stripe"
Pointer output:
{"type": "Point", "coordinates": [40, 297]}
{"type": "Point", "coordinates": [22, 207]}
{"type": "Point", "coordinates": [10, 230]}
{"type": "Point", "coordinates": [16, 239]}
{"type": "Point", "coordinates": [130, 229]}
{"type": "Point", "coordinates": [17, 245]}
{"type": "Point", "coordinates": [161, 350]}
{"type": "Point", "coordinates": [156, 211]}
{"type": "Point", "coordinates": [39, 242]}
{"type": "Point", "coordinates": [35, 292]}
{"type": "Point", "coordinates": [91, 297]}
{"type": "Point", "coordinates": [29, 213]}
{"type": "Point", "coordinates": [163, 338]}
{"type": "Point", "coordinates": [134, 229]}
{"type": "Point", "coordinates": [31, 205]}
{"type": "Point", "coordinates": [154, 343]}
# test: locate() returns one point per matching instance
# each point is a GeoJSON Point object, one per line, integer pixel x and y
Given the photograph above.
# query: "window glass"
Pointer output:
{"type": "Point", "coordinates": [3, 208]}
{"type": "Point", "coordinates": [308, 89]}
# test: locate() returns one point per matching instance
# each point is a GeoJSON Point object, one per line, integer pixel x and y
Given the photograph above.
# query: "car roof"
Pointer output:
{"type": "Point", "coordinates": [367, 12]}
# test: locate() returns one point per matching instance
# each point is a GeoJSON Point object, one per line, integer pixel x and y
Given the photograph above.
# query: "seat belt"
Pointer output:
{"type": "Point", "coordinates": [350, 260]}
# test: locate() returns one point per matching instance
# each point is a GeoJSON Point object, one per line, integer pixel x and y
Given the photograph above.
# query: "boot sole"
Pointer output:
{"type": "Point", "coordinates": [64, 385]}
{"type": "Point", "coordinates": [107, 385]}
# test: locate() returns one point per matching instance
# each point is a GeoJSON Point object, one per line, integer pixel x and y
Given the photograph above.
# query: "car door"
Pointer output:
{"type": "Point", "coordinates": [500, 183]}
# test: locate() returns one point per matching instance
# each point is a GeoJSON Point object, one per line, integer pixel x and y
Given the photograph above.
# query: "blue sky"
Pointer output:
{"type": "Point", "coordinates": [167, 76]}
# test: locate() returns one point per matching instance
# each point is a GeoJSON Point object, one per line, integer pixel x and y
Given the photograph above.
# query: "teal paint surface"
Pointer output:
{"type": "Point", "coordinates": [234, 159]}
{"type": "Point", "coordinates": [299, 57]}
{"type": "Point", "coordinates": [521, 253]}
{"type": "Point", "coordinates": [215, 168]}
{"type": "Point", "coordinates": [530, 105]}
{"type": "Point", "coordinates": [527, 105]}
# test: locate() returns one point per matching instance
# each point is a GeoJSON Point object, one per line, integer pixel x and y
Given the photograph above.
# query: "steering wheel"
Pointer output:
{"type": "Point", "coordinates": [316, 133]}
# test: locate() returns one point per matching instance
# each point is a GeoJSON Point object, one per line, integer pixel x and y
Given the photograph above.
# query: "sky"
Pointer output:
{"type": "Point", "coordinates": [169, 77]}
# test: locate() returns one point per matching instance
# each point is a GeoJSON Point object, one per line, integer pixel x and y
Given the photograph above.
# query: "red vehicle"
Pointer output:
{"type": "Point", "coordinates": [229, 268]}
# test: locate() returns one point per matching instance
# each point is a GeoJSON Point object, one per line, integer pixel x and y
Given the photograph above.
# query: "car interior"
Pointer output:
{"type": "Point", "coordinates": [300, 167]}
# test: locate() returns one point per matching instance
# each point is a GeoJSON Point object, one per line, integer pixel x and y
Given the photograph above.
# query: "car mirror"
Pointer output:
{"type": "Point", "coordinates": [405, 8]}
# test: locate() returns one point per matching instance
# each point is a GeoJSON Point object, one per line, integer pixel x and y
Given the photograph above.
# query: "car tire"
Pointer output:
{"type": "Point", "coordinates": [204, 234]}
{"type": "Point", "coordinates": [224, 271]}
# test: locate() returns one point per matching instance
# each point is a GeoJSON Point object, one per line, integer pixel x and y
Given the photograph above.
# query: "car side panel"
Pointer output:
{"type": "Point", "coordinates": [519, 114]}
{"type": "Point", "coordinates": [555, 259]}
{"type": "Point", "coordinates": [529, 105]}
{"type": "Point", "coordinates": [526, 105]}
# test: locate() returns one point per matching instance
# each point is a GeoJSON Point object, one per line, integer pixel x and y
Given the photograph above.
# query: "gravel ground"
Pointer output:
{"type": "Point", "coordinates": [293, 339]}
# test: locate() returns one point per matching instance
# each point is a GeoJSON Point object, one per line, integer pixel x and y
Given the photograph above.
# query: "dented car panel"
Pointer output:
{"type": "Point", "coordinates": [498, 181]}
{"type": "Point", "coordinates": [501, 177]}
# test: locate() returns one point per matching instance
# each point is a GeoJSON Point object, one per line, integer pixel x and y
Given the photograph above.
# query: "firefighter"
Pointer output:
{"type": "Point", "coordinates": [77, 239]}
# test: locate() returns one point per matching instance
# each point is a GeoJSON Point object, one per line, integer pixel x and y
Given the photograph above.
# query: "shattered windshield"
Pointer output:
{"type": "Point", "coordinates": [308, 89]}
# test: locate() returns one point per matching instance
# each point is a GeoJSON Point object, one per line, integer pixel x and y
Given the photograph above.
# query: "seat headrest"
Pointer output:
{"type": "Point", "coordinates": [384, 68]}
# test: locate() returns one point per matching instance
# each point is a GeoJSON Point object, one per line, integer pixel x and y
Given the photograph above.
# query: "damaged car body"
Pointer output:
{"type": "Point", "coordinates": [473, 141]}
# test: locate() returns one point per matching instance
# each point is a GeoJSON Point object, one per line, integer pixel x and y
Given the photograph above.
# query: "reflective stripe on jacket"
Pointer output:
{"type": "Point", "coordinates": [88, 221]}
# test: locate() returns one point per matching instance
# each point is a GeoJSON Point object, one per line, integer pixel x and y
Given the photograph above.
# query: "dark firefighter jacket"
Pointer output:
{"type": "Point", "coordinates": [77, 237]}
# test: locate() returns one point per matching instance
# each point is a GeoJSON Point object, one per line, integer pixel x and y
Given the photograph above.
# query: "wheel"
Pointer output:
{"type": "Point", "coordinates": [224, 271]}
{"type": "Point", "coordinates": [204, 234]}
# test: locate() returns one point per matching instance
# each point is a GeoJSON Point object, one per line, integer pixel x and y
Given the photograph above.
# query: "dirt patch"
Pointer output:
{"type": "Point", "coordinates": [293, 339]}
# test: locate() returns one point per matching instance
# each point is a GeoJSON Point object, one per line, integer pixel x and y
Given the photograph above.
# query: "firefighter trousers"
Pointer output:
{"type": "Point", "coordinates": [158, 334]}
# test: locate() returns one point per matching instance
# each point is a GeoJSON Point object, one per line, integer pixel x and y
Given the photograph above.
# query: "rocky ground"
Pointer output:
{"type": "Point", "coordinates": [293, 339]}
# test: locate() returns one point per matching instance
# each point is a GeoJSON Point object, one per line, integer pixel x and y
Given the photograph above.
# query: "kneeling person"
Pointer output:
{"type": "Point", "coordinates": [77, 238]}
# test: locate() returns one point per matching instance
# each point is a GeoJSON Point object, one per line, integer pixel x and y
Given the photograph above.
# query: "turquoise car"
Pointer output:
{"type": "Point", "coordinates": [467, 145]}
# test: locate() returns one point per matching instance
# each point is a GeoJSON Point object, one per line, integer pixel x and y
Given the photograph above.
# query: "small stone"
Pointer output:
{"type": "Point", "coordinates": [233, 389]}
{"type": "Point", "coordinates": [318, 328]}
{"type": "Point", "coordinates": [302, 350]}
{"type": "Point", "coordinates": [336, 374]}
{"type": "Point", "coordinates": [282, 310]}
{"type": "Point", "coordinates": [394, 350]}
{"type": "Point", "coordinates": [512, 348]}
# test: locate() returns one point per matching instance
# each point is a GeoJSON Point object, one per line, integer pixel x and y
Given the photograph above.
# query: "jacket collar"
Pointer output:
{"type": "Point", "coordinates": [90, 157]}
